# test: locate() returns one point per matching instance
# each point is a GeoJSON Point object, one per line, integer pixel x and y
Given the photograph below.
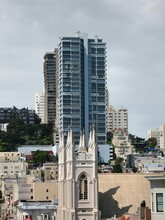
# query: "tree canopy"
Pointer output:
{"type": "Point", "coordinates": [19, 133]}
{"type": "Point", "coordinates": [117, 167]}
{"type": "Point", "coordinates": [40, 157]}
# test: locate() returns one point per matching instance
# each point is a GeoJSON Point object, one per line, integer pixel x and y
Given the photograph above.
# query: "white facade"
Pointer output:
{"type": "Point", "coordinates": [40, 105]}
{"type": "Point", "coordinates": [157, 197]}
{"type": "Point", "coordinates": [3, 127]}
{"type": "Point", "coordinates": [78, 180]}
{"type": "Point", "coordinates": [117, 119]}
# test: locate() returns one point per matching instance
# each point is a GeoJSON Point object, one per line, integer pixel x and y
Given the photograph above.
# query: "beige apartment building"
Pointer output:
{"type": "Point", "coordinates": [29, 189]}
{"type": "Point", "coordinates": [11, 164]}
{"type": "Point", "coordinates": [116, 119]}
{"type": "Point", "coordinates": [26, 189]}
{"type": "Point", "coordinates": [49, 171]}
{"type": "Point", "coordinates": [122, 143]}
{"type": "Point", "coordinates": [159, 134]}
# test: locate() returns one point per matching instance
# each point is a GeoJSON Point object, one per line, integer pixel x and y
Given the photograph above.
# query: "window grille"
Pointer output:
{"type": "Point", "coordinates": [83, 187]}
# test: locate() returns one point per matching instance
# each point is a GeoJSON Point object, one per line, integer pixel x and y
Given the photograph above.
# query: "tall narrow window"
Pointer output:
{"type": "Point", "coordinates": [159, 202]}
{"type": "Point", "coordinates": [83, 187]}
{"type": "Point", "coordinates": [45, 216]}
{"type": "Point", "coordinates": [152, 202]}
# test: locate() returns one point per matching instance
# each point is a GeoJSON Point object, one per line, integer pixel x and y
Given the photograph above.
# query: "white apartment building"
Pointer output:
{"type": "Point", "coordinates": [40, 105]}
{"type": "Point", "coordinates": [117, 119]}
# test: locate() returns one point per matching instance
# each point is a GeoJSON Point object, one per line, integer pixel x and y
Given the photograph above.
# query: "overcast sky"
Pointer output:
{"type": "Point", "coordinates": [134, 31]}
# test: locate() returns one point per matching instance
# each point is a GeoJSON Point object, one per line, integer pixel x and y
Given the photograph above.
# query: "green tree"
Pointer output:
{"type": "Point", "coordinates": [19, 133]}
{"type": "Point", "coordinates": [134, 169]}
{"type": "Point", "coordinates": [41, 157]}
{"type": "Point", "coordinates": [138, 142]}
{"type": "Point", "coordinates": [117, 167]}
{"type": "Point", "coordinates": [1, 197]}
{"type": "Point", "coordinates": [151, 143]}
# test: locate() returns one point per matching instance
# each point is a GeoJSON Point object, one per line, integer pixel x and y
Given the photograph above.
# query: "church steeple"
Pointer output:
{"type": "Point", "coordinates": [78, 191]}
{"type": "Point", "coordinates": [82, 146]}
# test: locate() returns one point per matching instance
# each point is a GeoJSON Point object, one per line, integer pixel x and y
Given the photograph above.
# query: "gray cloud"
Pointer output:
{"type": "Point", "coordinates": [134, 32]}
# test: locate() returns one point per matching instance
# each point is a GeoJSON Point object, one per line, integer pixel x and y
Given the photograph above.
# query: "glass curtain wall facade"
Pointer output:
{"type": "Point", "coordinates": [82, 86]}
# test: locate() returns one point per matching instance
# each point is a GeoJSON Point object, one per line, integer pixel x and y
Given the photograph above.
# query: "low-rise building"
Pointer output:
{"type": "Point", "coordinates": [40, 210]}
{"type": "Point", "coordinates": [12, 163]}
{"type": "Point", "coordinates": [48, 172]}
{"type": "Point", "coordinates": [148, 163]}
{"type": "Point", "coordinates": [26, 189]}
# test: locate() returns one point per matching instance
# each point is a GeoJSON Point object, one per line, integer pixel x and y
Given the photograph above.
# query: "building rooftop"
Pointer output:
{"type": "Point", "coordinates": [29, 205]}
{"type": "Point", "coordinates": [122, 193]}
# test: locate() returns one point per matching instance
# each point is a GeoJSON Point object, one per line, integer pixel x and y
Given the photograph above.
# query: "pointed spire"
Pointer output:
{"type": "Point", "coordinates": [90, 138]}
{"type": "Point", "coordinates": [62, 140]}
{"type": "Point", "coordinates": [71, 137]}
{"type": "Point", "coordinates": [68, 138]}
{"type": "Point", "coordinates": [93, 136]}
{"type": "Point", "coordinates": [82, 142]}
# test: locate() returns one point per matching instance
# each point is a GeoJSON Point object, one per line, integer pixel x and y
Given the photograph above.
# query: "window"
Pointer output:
{"type": "Point", "coordinates": [83, 187]}
{"type": "Point", "coordinates": [152, 198]}
{"type": "Point", "coordinates": [26, 217]}
{"type": "Point", "coordinates": [45, 217]}
{"type": "Point", "coordinates": [159, 202]}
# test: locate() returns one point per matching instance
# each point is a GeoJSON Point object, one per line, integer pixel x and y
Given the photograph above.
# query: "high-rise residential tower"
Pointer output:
{"type": "Point", "coordinates": [50, 60]}
{"type": "Point", "coordinates": [40, 105]}
{"type": "Point", "coordinates": [82, 86]}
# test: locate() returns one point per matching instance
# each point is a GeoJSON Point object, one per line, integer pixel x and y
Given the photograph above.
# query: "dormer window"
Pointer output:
{"type": "Point", "coordinates": [83, 187]}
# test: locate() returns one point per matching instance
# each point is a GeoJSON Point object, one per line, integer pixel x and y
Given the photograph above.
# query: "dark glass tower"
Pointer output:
{"type": "Point", "coordinates": [50, 86]}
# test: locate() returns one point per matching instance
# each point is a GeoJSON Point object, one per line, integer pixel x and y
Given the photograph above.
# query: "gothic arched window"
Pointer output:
{"type": "Point", "coordinates": [83, 187]}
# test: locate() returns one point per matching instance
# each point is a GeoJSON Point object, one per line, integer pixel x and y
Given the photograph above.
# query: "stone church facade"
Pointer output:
{"type": "Point", "coordinates": [78, 180]}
